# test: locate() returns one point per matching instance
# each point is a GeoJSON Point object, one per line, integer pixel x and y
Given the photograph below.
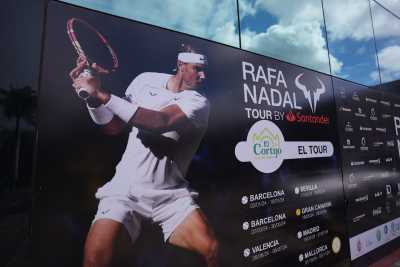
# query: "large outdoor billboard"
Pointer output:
{"type": "Point", "coordinates": [225, 157]}
{"type": "Point", "coordinates": [368, 128]}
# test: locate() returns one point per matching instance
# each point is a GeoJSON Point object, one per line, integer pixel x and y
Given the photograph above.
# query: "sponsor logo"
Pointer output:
{"type": "Point", "coordinates": [363, 141]}
{"type": "Point", "coordinates": [363, 198]}
{"type": "Point", "coordinates": [263, 147]}
{"type": "Point", "coordinates": [381, 130]}
{"type": "Point", "coordinates": [336, 245]}
{"type": "Point", "coordinates": [377, 144]}
{"type": "Point", "coordinates": [343, 109]}
{"type": "Point", "coordinates": [266, 148]}
{"type": "Point", "coordinates": [360, 113]}
{"type": "Point", "coordinates": [359, 245]}
{"type": "Point", "coordinates": [378, 235]}
{"type": "Point", "coordinates": [368, 243]}
{"type": "Point", "coordinates": [358, 218]}
{"type": "Point", "coordinates": [372, 100]}
{"type": "Point", "coordinates": [375, 161]}
{"type": "Point", "coordinates": [311, 96]}
{"type": "Point", "coordinates": [365, 129]}
{"type": "Point", "coordinates": [290, 117]}
{"type": "Point", "coordinates": [266, 144]}
{"type": "Point", "coordinates": [377, 211]}
{"type": "Point", "coordinates": [388, 190]}
{"type": "Point", "coordinates": [348, 127]}
{"type": "Point", "coordinates": [348, 145]}
{"type": "Point", "coordinates": [357, 163]}
{"type": "Point", "coordinates": [372, 115]}
{"type": "Point", "coordinates": [302, 118]}
{"type": "Point", "coordinates": [105, 211]}
{"type": "Point", "coordinates": [363, 146]}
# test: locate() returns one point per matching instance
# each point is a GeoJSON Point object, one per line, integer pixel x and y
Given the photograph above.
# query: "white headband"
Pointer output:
{"type": "Point", "coordinates": [192, 58]}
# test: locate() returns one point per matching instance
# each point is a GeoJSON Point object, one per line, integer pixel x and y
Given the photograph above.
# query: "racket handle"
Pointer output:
{"type": "Point", "coordinates": [83, 92]}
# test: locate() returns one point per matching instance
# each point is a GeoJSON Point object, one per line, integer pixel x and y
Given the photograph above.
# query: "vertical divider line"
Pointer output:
{"type": "Point", "coordinates": [238, 21]}
{"type": "Point", "coordinates": [326, 38]}
{"type": "Point", "coordinates": [36, 185]}
{"type": "Point", "coordinates": [375, 45]}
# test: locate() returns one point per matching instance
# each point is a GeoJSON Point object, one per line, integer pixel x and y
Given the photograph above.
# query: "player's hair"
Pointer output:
{"type": "Point", "coordinates": [188, 49]}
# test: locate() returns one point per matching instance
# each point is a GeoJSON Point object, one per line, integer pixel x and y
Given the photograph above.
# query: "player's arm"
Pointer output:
{"type": "Point", "coordinates": [170, 118]}
{"type": "Point", "coordinates": [110, 124]}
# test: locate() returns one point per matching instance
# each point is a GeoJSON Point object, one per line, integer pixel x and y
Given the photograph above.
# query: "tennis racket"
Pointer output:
{"type": "Point", "coordinates": [72, 23]}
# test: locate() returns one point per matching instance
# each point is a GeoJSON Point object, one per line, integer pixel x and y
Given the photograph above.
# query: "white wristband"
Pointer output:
{"type": "Point", "coordinates": [122, 108]}
{"type": "Point", "coordinates": [100, 115]}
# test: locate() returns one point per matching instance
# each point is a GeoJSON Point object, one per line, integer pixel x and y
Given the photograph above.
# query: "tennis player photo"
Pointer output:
{"type": "Point", "coordinates": [168, 118]}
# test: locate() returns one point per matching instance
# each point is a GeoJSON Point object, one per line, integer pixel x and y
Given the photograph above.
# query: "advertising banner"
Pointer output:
{"type": "Point", "coordinates": [368, 126]}
{"type": "Point", "coordinates": [176, 151]}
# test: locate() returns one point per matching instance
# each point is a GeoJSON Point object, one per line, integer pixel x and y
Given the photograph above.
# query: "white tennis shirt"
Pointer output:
{"type": "Point", "coordinates": [159, 161]}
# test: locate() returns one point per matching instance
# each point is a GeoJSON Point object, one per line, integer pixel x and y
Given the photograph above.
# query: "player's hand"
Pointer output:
{"type": "Point", "coordinates": [81, 64]}
{"type": "Point", "coordinates": [84, 76]}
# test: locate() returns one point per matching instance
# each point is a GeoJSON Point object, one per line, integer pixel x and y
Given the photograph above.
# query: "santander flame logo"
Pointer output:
{"type": "Point", "coordinates": [290, 116]}
{"type": "Point", "coordinates": [311, 96]}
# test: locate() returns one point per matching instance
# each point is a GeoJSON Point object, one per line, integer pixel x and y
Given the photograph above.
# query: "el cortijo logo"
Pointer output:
{"type": "Point", "coordinates": [266, 144]}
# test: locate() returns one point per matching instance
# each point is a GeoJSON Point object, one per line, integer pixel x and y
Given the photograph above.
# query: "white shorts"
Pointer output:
{"type": "Point", "coordinates": [167, 208]}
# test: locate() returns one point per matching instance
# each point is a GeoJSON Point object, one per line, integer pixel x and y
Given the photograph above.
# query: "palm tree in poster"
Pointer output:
{"type": "Point", "coordinates": [18, 103]}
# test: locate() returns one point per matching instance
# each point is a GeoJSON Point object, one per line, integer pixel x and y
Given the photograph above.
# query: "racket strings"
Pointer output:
{"type": "Point", "coordinates": [78, 48]}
